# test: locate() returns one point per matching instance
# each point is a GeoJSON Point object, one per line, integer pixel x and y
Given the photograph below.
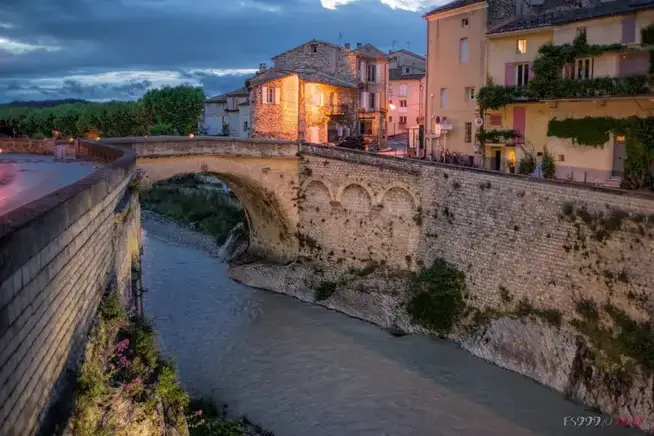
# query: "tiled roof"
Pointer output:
{"type": "Point", "coordinates": [241, 92]}
{"type": "Point", "coordinates": [217, 99]}
{"type": "Point", "coordinates": [306, 75]}
{"type": "Point", "coordinates": [570, 13]}
{"type": "Point", "coordinates": [371, 51]}
{"type": "Point", "coordinates": [409, 52]}
{"type": "Point", "coordinates": [313, 41]}
{"type": "Point", "coordinates": [456, 4]}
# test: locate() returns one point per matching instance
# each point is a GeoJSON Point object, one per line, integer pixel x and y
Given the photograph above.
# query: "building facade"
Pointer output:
{"type": "Point", "coordinates": [609, 78]}
{"type": "Point", "coordinates": [320, 91]}
{"type": "Point", "coordinates": [407, 62]}
{"type": "Point", "coordinates": [406, 93]}
{"type": "Point", "coordinates": [227, 114]}
{"type": "Point", "coordinates": [456, 58]}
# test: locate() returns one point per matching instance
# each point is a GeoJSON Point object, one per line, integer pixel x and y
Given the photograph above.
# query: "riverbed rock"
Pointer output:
{"type": "Point", "coordinates": [235, 245]}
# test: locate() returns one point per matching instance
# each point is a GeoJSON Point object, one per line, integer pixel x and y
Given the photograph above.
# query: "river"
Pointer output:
{"type": "Point", "coordinates": [298, 369]}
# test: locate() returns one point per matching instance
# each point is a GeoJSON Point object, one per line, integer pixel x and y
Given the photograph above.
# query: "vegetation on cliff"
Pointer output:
{"type": "Point", "coordinates": [212, 212]}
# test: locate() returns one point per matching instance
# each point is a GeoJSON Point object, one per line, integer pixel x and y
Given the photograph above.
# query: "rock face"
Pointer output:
{"type": "Point", "coordinates": [235, 245]}
{"type": "Point", "coordinates": [553, 356]}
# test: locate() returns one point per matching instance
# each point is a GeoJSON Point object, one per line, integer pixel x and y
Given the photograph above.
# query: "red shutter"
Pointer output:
{"type": "Point", "coordinates": [520, 120]}
{"type": "Point", "coordinates": [628, 30]}
{"type": "Point", "coordinates": [509, 77]}
{"type": "Point", "coordinates": [496, 120]}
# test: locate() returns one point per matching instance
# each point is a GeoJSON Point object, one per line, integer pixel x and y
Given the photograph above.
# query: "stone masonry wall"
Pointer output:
{"type": "Point", "coordinates": [276, 121]}
{"type": "Point", "coordinates": [319, 116]}
{"type": "Point", "coordinates": [534, 239]}
{"type": "Point", "coordinates": [330, 59]}
{"type": "Point", "coordinates": [59, 255]}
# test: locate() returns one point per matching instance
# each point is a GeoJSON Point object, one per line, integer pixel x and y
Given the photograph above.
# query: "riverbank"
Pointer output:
{"type": "Point", "coordinates": [530, 342]}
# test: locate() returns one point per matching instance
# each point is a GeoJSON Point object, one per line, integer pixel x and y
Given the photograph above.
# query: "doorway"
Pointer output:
{"type": "Point", "coordinates": [619, 148]}
{"type": "Point", "coordinates": [498, 160]}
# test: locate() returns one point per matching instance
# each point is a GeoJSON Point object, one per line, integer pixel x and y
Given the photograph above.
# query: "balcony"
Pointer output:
{"type": "Point", "coordinates": [339, 109]}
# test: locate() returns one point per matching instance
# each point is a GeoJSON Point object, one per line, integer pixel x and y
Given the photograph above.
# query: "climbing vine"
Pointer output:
{"type": "Point", "coordinates": [496, 136]}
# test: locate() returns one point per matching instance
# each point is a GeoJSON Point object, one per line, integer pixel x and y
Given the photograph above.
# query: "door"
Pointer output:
{"type": "Point", "coordinates": [520, 120]}
{"type": "Point", "coordinates": [314, 134]}
{"type": "Point", "coordinates": [498, 160]}
{"type": "Point", "coordinates": [618, 155]}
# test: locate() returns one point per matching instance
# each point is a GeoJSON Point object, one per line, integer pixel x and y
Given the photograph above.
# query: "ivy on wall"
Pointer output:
{"type": "Point", "coordinates": [595, 132]}
{"type": "Point", "coordinates": [496, 136]}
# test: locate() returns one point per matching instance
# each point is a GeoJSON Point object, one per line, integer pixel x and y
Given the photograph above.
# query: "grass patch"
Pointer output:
{"type": "Point", "coordinates": [366, 270]}
{"type": "Point", "coordinates": [325, 290]}
{"type": "Point", "coordinates": [210, 213]}
{"type": "Point", "coordinates": [436, 296]}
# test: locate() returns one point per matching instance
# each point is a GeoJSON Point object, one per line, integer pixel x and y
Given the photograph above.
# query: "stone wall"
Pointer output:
{"type": "Point", "coordinates": [533, 238]}
{"type": "Point", "coordinates": [320, 115]}
{"type": "Point", "coordinates": [276, 121]}
{"type": "Point", "coordinates": [58, 256]}
{"type": "Point", "coordinates": [331, 59]}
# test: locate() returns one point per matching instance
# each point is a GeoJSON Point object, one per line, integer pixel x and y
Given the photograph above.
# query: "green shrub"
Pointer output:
{"type": "Point", "coordinates": [162, 129]}
{"type": "Point", "coordinates": [549, 167]}
{"type": "Point", "coordinates": [527, 164]}
{"type": "Point", "coordinates": [325, 290]}
{"type": "Point", "coordinates": [436, 296]}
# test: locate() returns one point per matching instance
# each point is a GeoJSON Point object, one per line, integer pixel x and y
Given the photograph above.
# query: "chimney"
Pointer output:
{"type": "Point", "coordinates": [262, 68]}
{"type": "Point", "coordinates": [347, 45]}
{"type": "Point", "coordinates": [358, 45]}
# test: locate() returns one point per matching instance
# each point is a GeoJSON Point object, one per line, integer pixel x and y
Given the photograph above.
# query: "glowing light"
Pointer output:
{"type": "Point", "coordinates": [391, 106]}
{"type": "Point", "coordinates": [97, 138]}
{"type": "Point", "coordinates": [191, 135]}
{"type": "Point", "coordinates": [0, 150]}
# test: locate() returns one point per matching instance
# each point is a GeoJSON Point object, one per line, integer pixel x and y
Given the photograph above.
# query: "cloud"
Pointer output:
{"type": "Point", "coordinates": [74, 48]}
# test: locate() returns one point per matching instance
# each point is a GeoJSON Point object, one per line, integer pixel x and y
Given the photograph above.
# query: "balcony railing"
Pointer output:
{"type": "Point", "coordinates": [339, 109]}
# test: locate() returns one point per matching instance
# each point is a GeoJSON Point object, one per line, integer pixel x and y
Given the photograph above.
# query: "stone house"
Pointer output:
{"type": "Point", "coordinates": [407, 62]}
{"type": "Point", "coordinates": [319, 91]}
{"type": "Point", "coordinates": [227, 114]}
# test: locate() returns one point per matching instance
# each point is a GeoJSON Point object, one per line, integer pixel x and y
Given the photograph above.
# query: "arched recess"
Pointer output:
{"type": "Point", "coordinates": [401, 186]}
{"type": "Point", "coordinates": [398, 201]}
{"type": "Point", "coordinates": [356, 198]}
{"type": "Point", "coordinates": [317, 191]}
{"type": "Point", "coordinates": [267, 212]}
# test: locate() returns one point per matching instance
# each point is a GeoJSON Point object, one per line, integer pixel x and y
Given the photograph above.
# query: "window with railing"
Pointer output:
{"type": "Point", "coordinates": [580, 69]}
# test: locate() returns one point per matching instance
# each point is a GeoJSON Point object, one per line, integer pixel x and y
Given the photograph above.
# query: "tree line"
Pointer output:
{"type": "Point", "coordinates": [165, 111]}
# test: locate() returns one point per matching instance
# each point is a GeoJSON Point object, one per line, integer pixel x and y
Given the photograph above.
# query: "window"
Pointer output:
{"type": "Point", "coordinates": [584, 69]}
{"type": "Point", "coordinates": [372, 100]}
{"type": "Point", "coordinates": [443, 98]}
{"type": "Point", "coordinates": [390, 119]}
{"type": "Point", "coordinates": [372, 73]}
{"type": "Point", "coordinates": [245, 125]}
{"type": "Point", "coordinates": [314, 48]}
{"type": "Point", "coordinates": [470, 94]}
{"type": "Point", "coordinates": [270, 96]}
{"type": "Point", "coordinates": [463, 50]}
{"type": "Point", "coordinates": [496, 120]}
{"type": "Point", "coordinates": [581, 31]}
{"type": "Point", "coordinates": [468, 133]}
{"type": "Point", "coordinates": [404, 90]}
{"type": "Point", "coordinates": [464, 22]}
{"type": "Point", "coordinates": [521, 47]}
{"type": "Point", "coordinates": [402, 120]}
{"type": "Point", "coordinates": [561, 158]}
{"type": "Point", "coordinates": [407, 70]}
{"type": "Point", "coordinates": [402, 103]}
{"type": "Point", "coordinates": [521, 74]}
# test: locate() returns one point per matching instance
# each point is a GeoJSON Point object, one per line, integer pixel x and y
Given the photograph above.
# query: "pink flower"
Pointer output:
{"type": "Point", "coordinates": [133, 308]}
{"type": "Point", "coordinates": [198, 412]}
{"type": "Point", "coordinates": [124, 362]}
{"type": "Point", "coordinates": [201, 421]}
{"type": "Point", "coordinates": [122, 345]}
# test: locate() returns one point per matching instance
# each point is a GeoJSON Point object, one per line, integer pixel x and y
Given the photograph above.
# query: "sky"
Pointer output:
{"type": "Point", "coordinates": [117, 49]}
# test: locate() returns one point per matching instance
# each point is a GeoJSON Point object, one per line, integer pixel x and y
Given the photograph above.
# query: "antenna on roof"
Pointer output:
{"type": "Point", "coordinates": [340, 38]}
{"type": "Point", "coordinates": [408, 45]}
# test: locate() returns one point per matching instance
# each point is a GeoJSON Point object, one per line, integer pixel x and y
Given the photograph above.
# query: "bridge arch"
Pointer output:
{"type": "Point", "coordinates": [265, 187]}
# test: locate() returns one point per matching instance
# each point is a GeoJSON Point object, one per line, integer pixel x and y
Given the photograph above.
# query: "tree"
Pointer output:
{"type": "Point", "coordinates": [181, 107]}
{"type": "Point", "coordinates": [549, 167]}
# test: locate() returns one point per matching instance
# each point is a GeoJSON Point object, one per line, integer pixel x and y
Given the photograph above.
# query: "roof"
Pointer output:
{"type": "Point", "coordinates": [456, 4]}
{"type": "Point", "coordinates": [396, 74]}
{"type": "Point", "coordinates": [305, 75]}
{"type": "Point", "coordinates": [408, 52]}
{"type": "Point", "coordinates": [371, 51]}
{"type": "Point", "coordinates": [572, 13]}
{"type": "Point", "coordinates": [222, 98]}
{"type": "Point", "coordinates": [313, 41]}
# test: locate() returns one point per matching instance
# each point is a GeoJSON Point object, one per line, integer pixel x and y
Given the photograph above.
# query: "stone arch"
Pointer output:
{"type": "Point", "coordinates": [403, 187]}
{"type": "Point", "coordinates": [356, 197]}
{"type": "Point", "coordinates": [266, 197]}
{"type": "Point", "coordinates": [319, 187]}
{"type": "Point", "coordinates": [398, 200]}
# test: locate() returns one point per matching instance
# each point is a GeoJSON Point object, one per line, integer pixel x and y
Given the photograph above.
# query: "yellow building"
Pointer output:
{"type": "Point", "coordinates": [455, 72]}
{"type": "Point", "coordinates": [610, 78]}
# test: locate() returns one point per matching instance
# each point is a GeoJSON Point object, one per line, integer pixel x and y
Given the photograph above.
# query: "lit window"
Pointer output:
{"type": "Point", "coordinates": [464, 22]}
{"type": "Point", "coordinates": [470, 94]}
{"type": "Point", "coordinates": [463, 50]}
{"type": "Point", "coordinates": [522, 46]}
{"type": "Point", "coordinates": [521, 74]}
{"type": "Point", "coordinates": [443, 98]}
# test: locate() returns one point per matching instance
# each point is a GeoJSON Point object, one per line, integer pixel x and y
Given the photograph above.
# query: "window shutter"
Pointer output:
{"type": "Point", "coordinates": [364, 100]}
{"type": "Point", "coordinates": [264, 95]}
{"type": "Point", "coordinates": [628, 30]}
{"type": "Point", "coordinates": [321, 100]}
{"type": "Point", "coordinates": [378, 101]}
{"type": "Point", "coordinates": [378, 74]}
{"type": "Point", "coordinates": [509, 76]}
{"type": "Point", "coordinates": [363, 71]}
{"type": "Point", "coordinates": [277, 95]}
